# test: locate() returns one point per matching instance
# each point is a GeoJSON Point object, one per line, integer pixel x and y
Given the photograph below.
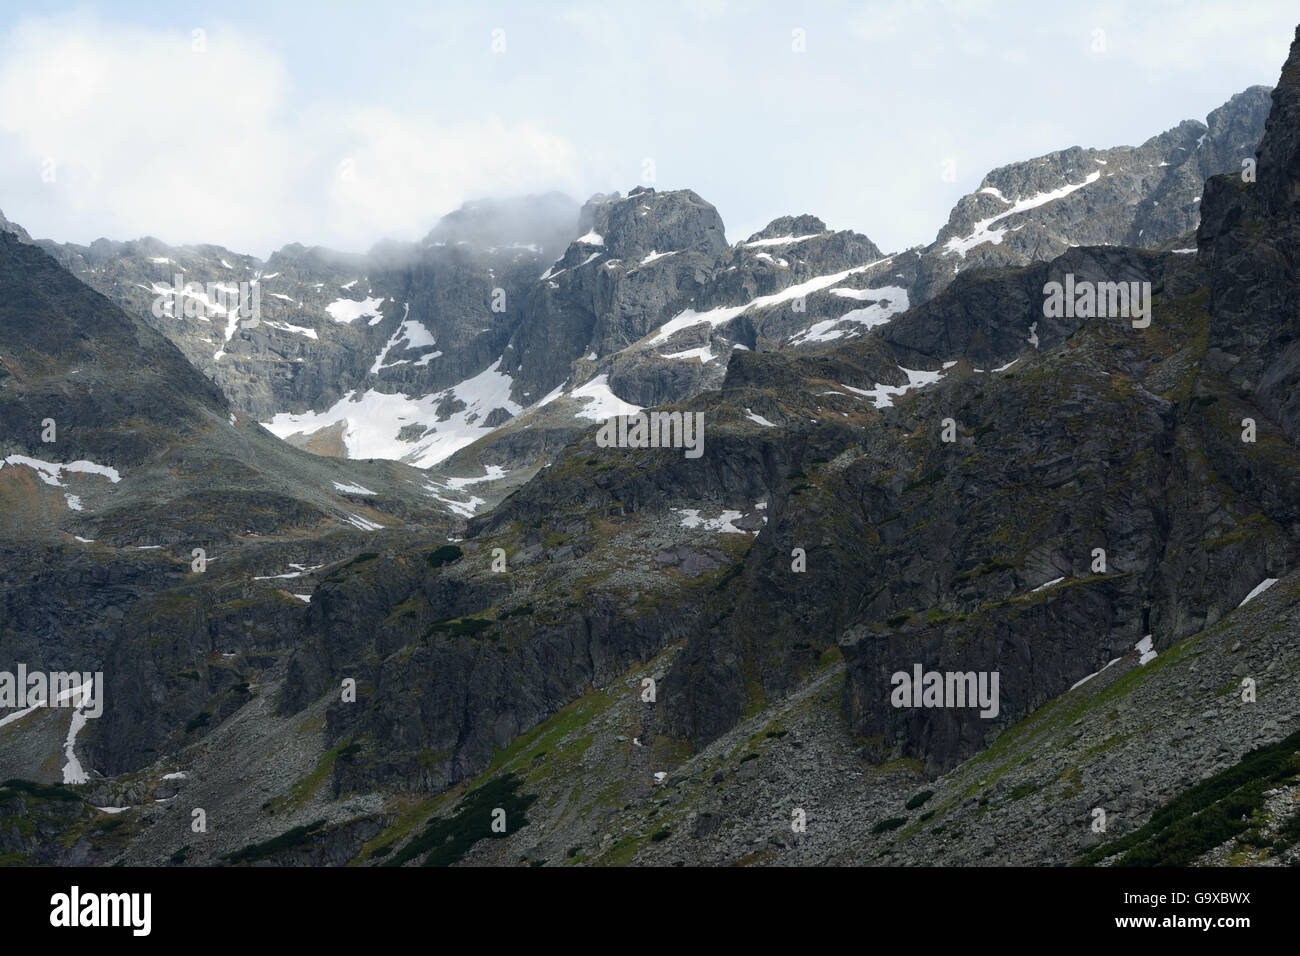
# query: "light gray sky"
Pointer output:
{"type": "Point", "coordinates": [343, 123]}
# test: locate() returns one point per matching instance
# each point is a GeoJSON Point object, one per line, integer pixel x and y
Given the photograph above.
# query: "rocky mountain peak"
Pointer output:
{"type": "Point", "coordinates": [1247, 236]}
{"type": "Point", "coordinates": [804, 225]}
{"type": "Point", "coordinates": [13, 228]}
{"type": "Point", "coordinates": [1235, 119]}
{"type": "Point", "coordinates": [587, 214]}
{"type": "Point", "coordinates": [543, 223]}
{"type": "Point", "coordinates": [1279, 150]}
{"type": "Point", "coordinates": [824, 370]}
{"type": "Point", "coordinates": [1142, 196]}
{"type": "Point", "coordinates": [647, 222]}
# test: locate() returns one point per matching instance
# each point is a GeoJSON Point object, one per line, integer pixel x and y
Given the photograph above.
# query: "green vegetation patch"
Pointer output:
{"type": "Point", "coordinates": [361, 558]}
{"type": "Point", "coordinates": [48, 791]}
{"type": "Point", "coordinates": [1206, 815]}
{"type": "Point", "coordinates": [447, 840]}
{"type": "Point", "coordinates": [447, 554]}
{"type": "Point", "coordinates": [288, 840]}
{"type": "Point", "coordinates": [459, 627]}
{"type": "Point", "coordinates": [893, 823]}
{"type": "Point", "coordinates": [919, 799]}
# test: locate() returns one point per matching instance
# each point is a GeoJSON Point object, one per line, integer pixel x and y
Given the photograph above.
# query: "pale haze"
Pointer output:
{"type": "Point", "coordinates": [253, 125]}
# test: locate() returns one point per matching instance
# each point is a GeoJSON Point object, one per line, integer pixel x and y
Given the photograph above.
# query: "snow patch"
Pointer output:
{"type": "Point", "coordinates": [722, 314]}
{"type": "Point", "coordinates": [364, 524]}
{"type": "Point", "coordinates": [373, 419]}
{"type": "Point", "coordinates": [602, 402]}
{"type": "Point", "coordinates": [1259, 589]}
{"type": "Point", "coordinates": [72, 770]}
{"type": "Point", "coordinates": [780, 240]}
{"type": "Point", "coordinates": [491, 473]}
{"type": "Point", "coordinates": [347, 310]}
{"type": "Point", "coordinates": [883, 395]}
{"type": "Point", "coordinates": [415, 335]}
{"type": "Point", "coordinates": [722, 523]}
{"type": "Point", "coordinates": [49, 471]}
{"type": "Point", "coordinates": [1080, 683]}
{"type": "Point", "coordinates": [465, 509]}
{"type": "Point", "coordinates": [1143, 647]}
{"type": "Point", "coordinates": [982, 233]}
{"type": "Point", "coordinates": [295, 329]}
{"type": "Point", "coordinates": [891, 301]}
{"type": "Point", "coordinates": [704, 353]}
{"type": "Point", "coordinates": [352, 489]}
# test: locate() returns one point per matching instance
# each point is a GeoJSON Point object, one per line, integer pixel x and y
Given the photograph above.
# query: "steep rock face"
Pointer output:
{"type": "Point", "coordinates": [453, 659]}
{"type": "Point", "coordinates": [347, 342]}
{"type": "Point", "coordinates": [1204, 516]}
{"type": "Point", "coordinates": [70, 356]}
{"type": "Point", "coordinates": [416, 351]}
{"type": "Point", "coordinates": [615, 556]}
{"type": "Point", "coordinates": [1249, 235]}
{"type": "Point", "coordinates": [659, 329]}
{"type": "Point", "coordinates": [976, 554]}
{"type": "Point", "coordinates": [964, 556]}
{"type": "Point", "coordinates": [119, 464]}
{"type": "Point", "coordinates": [14, 228]}
{"type": "Point", "coordinates": [52, 826]}
{"type": "Point", "coordinates": [640, 259]}
{"type": "Point", "coordinates": [412, 352]}
{"type": "Point", "coordinates": [789, 226]}
{"type": "Point", "coordinates": [991, 319]}
{"type": "Point", "coordinates": [1141, 196]}
{"type": "Point", "coordinates": [648, 222]}
{"type": "Point", "coordinates": [1074, 433]}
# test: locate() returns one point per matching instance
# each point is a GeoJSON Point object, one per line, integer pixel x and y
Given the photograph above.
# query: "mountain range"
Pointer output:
{"type": "Point", "coordinates": [359, 574]}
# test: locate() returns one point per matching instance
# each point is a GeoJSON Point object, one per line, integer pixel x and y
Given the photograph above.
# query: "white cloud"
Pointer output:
{"type": "Point", "coordinates": [879, 22]}
{"type": "Point", "coordinates": [245, 145]}
{"type": "Point", "coordinates": [141, 132]}
{"type": "Point", "coordinates": [147, 136]}
{"type": "Point", "coordinates": [706, 9]}
{"type": "Point", "coordinates": [395, 173]}
{"type": "Point", "coordinates": [1166, 36]}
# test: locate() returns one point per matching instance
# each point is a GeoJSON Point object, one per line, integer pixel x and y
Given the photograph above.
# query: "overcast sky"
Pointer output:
{"type": "Point", "coordinates": [343, 123]}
